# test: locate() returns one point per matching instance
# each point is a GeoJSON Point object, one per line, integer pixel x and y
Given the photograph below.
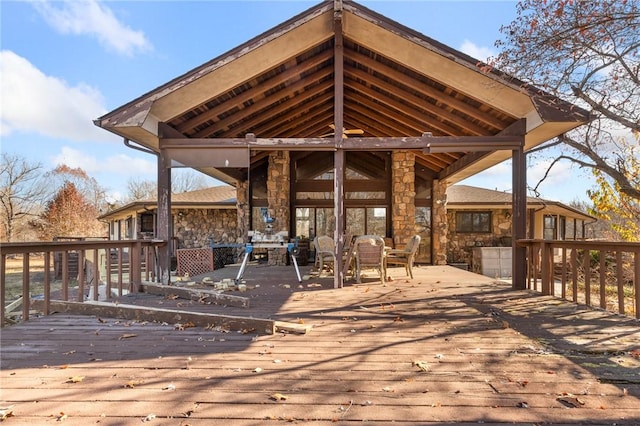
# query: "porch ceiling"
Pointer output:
{"type": "Point", "coordinates": [397, 83]}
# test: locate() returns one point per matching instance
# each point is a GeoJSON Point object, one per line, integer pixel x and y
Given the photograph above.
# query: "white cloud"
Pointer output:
{"type": "Point", "coordinates": [119, 164]}
{"type": "Point", "coordinates": [481, 53]}
{"type": "Point", "coordinates": [95, 19]}
{"type": "Point", "coordinates": [35, 102]}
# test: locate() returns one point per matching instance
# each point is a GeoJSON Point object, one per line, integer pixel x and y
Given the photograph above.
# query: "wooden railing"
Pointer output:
{"type": "Point", "coordinates": [596, 273]}
{"type": "Point", "coordinates": [72, 267]}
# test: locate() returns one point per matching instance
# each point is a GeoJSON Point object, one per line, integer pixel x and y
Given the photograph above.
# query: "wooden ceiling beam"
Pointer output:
{"type": "Point", "coordinates": [412, 112]}
{"type": "Point", "coordinates": [313, 124]}
{"type": "Point", "coordinates": [366, 114]}
{"type": "Point", "coordinates": [394, 114]}
{"type": "Point", "coordinates": [283, 126]}
{"type": "Point", "coordinates": [291, 74]}
{"type": "Point", "coordinates": [428, 90]}
{"type": "Point", "coordinates": [393, 92]}
{"type": "Point", "coordinates": [242, 116]}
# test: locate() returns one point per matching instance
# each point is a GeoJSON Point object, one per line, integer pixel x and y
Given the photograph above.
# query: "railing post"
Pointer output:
{"type": "Point", "coordinates": [546, 273]}
{"type": "Point", "coordinates": [135, 269]}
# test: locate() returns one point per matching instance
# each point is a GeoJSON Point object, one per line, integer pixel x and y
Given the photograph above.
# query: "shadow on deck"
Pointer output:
{"type": "Point", "coordinates": [448, 346]}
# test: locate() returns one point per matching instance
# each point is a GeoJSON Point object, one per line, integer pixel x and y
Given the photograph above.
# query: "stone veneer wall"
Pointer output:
{"type": "Point", "coordinates": [242, 209]}
{"type": "Point", "coordinates": [403, 196]}
{"type": "Point", "coordinates": [461, 244]}
{"type": "Point", "coordinates": [197, 228]}
{"type": "Point", "coordinates": [278, 198]}
{"type": "Point", "coordinates": [439, 227]}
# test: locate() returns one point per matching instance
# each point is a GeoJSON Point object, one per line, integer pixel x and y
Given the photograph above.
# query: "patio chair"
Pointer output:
{"type": "Point", "coordinates": [404, 256]}
{"type": "Point", "coordinates": [325, 252]}
{"type": "Point", "coordinates": [368, 251]}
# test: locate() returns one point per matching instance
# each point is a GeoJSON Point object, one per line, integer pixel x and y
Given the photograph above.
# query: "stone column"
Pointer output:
{"type": "Point", "coordinates": [403, 201]}
{"type": "Point", "coordinates": [242, 206]}
{"type": "Point", "coordinates": [439, 226]}
{"type": "Point", "coordinates": [278, 197]}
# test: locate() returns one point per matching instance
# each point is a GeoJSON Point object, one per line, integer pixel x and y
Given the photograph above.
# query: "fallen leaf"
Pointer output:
{"type": "Point", "coordinates": [571, 401]}
{"type": "Point", "coordinates": [422, 365]}
{"type": "Point", "coordinates": [257, 370]}
{"type": "Point", "coordinates": [169, 387]}
{"type": "Point", "coordinates": [75, 379]}
{"type": "Point", "coordinates": [6, 412]}
{"type": "Point", "coordinates": [278, 397]}
{"type": "Point", "coordinates": [127, 336]}
{"type": "Point", "coordinates": [149, 418]}
{"type": "Point", "coordinates": [62, 417]}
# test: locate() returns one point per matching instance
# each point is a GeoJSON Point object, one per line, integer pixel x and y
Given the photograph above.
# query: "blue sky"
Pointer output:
{"type": "Point", "coordinates": [65, 63]}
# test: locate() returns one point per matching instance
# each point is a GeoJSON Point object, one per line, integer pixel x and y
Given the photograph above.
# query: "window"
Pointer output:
{"type": "Point", "coordinates": [146, 222]}
{"type": "Point", "coordinates": [550, 228]}
{"type": "Point", "coordinates": [479, 222]}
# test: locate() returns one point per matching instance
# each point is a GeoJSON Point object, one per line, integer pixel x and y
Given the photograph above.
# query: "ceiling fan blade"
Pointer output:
{"type": "Point", "coordinates": [326, 135]}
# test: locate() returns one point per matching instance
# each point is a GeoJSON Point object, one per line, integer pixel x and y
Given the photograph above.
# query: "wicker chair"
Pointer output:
{"type": "Point", "coordinates": [405, 256]}
{"type": "Point", "coordinates": [325, 252]}
{"type": "Point", "coordinates": [369, 254]}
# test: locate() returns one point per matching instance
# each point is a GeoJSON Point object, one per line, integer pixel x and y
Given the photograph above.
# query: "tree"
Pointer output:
{"type": "Point", "coordinates": [182, 181]}
{"type": "Point", "coordinates": [89, 187]}
{"type": "Point", "coordinates": [22, 192]}
{"type": "Point", "coordinates": [587, 52]}
{"type": "Point", "coordinates": [69, 214]}
{"type": "Point", "coordinates": [140, 189]}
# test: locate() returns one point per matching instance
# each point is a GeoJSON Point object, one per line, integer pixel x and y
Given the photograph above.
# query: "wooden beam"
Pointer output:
{"type": "Point", "coordinates": [170, 316]}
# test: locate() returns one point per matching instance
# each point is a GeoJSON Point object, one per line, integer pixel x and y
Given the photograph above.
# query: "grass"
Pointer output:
{"type": "Point", "coordinates": [13, 277]}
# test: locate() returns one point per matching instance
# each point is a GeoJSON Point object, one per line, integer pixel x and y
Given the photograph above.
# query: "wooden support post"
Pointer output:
{"type": "Point", "coordinates": [339, 156]}
{"type": "Point", "coordinates": [164, 227]}
{"type": "Point", "coordinates": [519, 218]}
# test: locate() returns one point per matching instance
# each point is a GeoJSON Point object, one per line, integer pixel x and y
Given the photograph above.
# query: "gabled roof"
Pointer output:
{"type": "Point", "coordinates": [215, 197]}
{"type": "Point", "coordinates": [397, 83]}
{"type": "Point", "coordinates": [471, 197]}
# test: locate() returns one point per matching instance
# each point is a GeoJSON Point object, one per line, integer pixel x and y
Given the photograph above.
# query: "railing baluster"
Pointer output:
{"type": "Point", "coordinates": [3, 286]}
{"type": "Point", "coordinates": [26, 298]}
{"type": "Point", "coordinates": [586, 265]}
{"type": "Point", "coordinates": [620, 282]}
{"type": "Point", "coordinates": [636, 281]}
{"type": "Point", "coordinates": [574, 275]}
{"type": "Point", "coordinates": [603, 277]}
{"type": "Point", "coordinates": [563, 271]}
{"type": "Point", "coordinates": [47, 281]}
{"type": "Point", "coordinates": [65, 275]}
{"type": "Point", "coordinates": [81, 277]}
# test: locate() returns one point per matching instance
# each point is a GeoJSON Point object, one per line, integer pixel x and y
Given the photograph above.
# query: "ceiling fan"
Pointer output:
{"type": "Point", "coordinates": [345, 132]}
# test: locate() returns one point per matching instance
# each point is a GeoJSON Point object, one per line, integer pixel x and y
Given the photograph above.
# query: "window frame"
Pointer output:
{"type": "Point", "coordinates": [471, 214]}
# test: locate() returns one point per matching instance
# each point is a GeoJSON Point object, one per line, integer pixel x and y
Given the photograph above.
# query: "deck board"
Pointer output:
{"type": "Point", "coordinates": [491, 354]}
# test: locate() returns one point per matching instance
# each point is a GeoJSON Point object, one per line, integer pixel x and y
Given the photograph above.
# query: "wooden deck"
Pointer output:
{"type": "Point", "coordinates": [446, 347]}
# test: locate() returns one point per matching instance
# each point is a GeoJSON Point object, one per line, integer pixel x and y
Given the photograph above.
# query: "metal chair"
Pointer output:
{"type": "Point", "coordinates": [405, 256]}
{"type": "Point", "coordinates": [368, 251]}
